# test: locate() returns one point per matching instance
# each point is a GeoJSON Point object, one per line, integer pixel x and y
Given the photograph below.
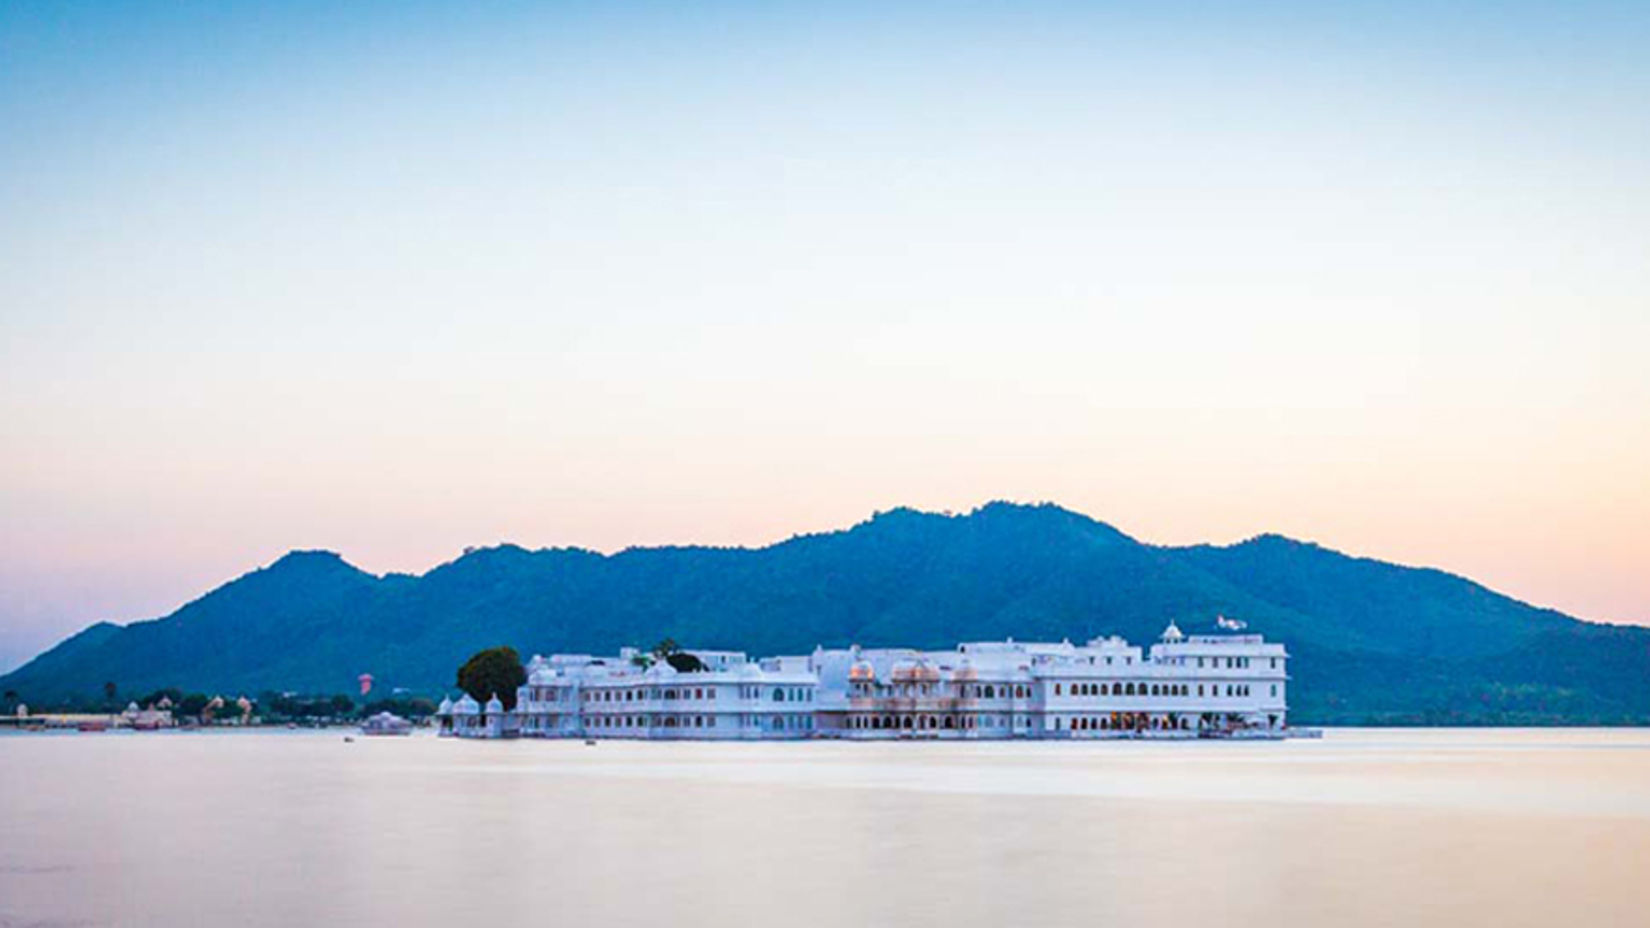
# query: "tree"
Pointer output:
{"type": "Point", "coordinates": [109, 691]}
{"type": "Point", "coordinates": [193, 704]}
{"type": "Point", "coordinates": [684, 662]}
{"type": "Point", "coordinates": [342, 705]}
{"type": "Point", "coordinates": [170, 694]}
{"type": "Point", "coordinates": [671, 653]}
{"type": "Point", "coordinates": [493, 672]}
{"type": "Point", "coordinates": [412, 708]}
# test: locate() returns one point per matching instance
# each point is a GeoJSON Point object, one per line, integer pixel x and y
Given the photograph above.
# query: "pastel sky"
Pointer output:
{"type": "Point", "coordinates": [394, 279]}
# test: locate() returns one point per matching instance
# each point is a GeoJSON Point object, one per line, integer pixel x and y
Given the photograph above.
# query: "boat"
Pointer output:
{"type": "Point", "coordinates": [386, 723]}
{"type": "Point", "coordinates": [92, 725]}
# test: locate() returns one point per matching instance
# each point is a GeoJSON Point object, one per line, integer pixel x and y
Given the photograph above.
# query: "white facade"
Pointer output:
{"type": "Point", "coordinates": [1182, 687]}
{"type": "Point", "coordinates": [735, 698]}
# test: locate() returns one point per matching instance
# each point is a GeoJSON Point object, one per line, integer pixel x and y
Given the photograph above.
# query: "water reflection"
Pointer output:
{"type": "Point", "coordinates": [1363, 828]}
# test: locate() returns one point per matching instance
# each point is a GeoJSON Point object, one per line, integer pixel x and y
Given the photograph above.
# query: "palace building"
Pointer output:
{"type": "Point", "coordinates": [1217, 685]}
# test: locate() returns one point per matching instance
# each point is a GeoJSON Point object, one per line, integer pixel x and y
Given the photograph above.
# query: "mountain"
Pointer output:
{"type": "Point", "coordinates": [1373, 642]}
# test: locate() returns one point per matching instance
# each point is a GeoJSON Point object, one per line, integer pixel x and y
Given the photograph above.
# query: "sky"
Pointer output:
{"type": "Point", "coordinates": [398, 279]}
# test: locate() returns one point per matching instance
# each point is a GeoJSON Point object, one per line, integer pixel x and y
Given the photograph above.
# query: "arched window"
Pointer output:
{"type": "Point", "coordinates": [1056, 689]}
{"type": "Point", "coordinates": [1128, 689]}
{"type": "Point", "coordinates": [778, 695]}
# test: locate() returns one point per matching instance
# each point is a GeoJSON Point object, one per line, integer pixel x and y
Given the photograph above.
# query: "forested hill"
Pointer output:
{"type": "Point", "coordinates": [1373, 642]}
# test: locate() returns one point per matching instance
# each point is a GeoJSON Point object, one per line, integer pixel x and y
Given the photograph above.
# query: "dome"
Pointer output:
{"type": "Point", "coordinates": [494, 705]}
{"type": "Point", "coordinates": [466, 705]}
{"type": "Point", "coordinates": [862, 670]}
{"type": "Point", "coordinates": [914, 670]}
{"type": "Point", "coordinates": [446, 707]}
{"type": "Point", "coordinates": [1173, 633]}
{"type": "Point", "coordinates": [750, 671]}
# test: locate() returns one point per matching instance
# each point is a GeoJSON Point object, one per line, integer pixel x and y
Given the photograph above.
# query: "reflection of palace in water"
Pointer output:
{"type": "Point", "coordinates": [1217, 685]}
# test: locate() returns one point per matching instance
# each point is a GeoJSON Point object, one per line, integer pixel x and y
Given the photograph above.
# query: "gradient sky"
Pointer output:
{"type": "Point", "coordinates": [396, 279]}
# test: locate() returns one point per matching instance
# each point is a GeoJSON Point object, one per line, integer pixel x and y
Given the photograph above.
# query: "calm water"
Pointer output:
{"type": "Point", "coordinates": [1363, 828]}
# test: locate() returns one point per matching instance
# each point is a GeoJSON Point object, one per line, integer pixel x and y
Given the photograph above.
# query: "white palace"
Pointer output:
{"type": "Point", "coordinates": [1218, 685]}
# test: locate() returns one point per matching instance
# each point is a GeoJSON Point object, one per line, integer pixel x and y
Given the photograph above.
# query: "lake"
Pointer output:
{"type": "Point", "coordinates": [1365, 827]}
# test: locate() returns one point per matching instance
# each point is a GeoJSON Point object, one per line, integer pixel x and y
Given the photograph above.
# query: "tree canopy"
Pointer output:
{"type": "Point", "coordinates": [681, 661]}
{"type": "Point", "coordinates": [493, 672]}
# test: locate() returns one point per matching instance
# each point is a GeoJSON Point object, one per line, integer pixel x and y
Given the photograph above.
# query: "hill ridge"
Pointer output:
{"type": "Point", "coordinates": [1377, 641]}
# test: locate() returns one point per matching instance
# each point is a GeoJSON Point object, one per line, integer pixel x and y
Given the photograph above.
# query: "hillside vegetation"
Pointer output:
{"type": "Point", "coordinates": [1373, 642]}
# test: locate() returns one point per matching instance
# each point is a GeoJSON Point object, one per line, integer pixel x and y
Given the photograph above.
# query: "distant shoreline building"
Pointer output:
{"type": "Point", "coordinates": [1220, 685]}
